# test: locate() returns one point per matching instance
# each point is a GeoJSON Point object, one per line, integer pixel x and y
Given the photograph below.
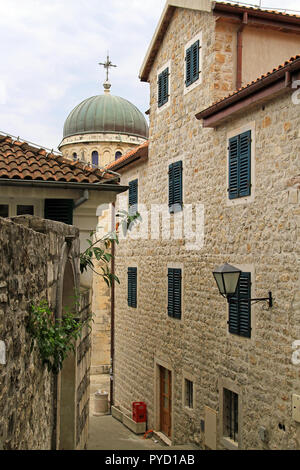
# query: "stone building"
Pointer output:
{"type": "Point", "coordinates": [222, 187]}
{"type": "Point", "coordinates": [97, 132]}
{"type": "Point", "coordinates": [40, 411]}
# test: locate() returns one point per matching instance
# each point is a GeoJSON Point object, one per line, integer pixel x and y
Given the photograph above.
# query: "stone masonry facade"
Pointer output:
{"type": "Point", "coordinates": [259, 234]}
{"type": "Point", "coordinates": [31, 270]}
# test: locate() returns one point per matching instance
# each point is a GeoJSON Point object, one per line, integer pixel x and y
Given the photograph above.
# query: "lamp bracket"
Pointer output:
{"type": "Point", "coordinates": [268, 299]}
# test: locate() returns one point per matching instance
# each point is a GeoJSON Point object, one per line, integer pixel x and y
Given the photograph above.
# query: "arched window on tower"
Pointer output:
{"type": "Point", "coordinates": [95, 159]}
{"type": "Point", "coordinates": [74, 156]}
{"type": "Point", "coordinates": [118, 154]}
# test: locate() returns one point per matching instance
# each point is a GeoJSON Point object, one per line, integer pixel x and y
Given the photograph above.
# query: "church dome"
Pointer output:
{"type": "Point", "coordinates": [106, 114]}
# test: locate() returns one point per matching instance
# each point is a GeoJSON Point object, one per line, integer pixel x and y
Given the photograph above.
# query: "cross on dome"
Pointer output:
{"type": "Point", "coordinates": [107, 66]}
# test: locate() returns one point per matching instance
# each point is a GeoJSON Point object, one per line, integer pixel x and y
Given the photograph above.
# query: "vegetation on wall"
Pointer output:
{"type": "Point", "coordinates": [126, 222]}
{"type": "Point", "coordinates": [55, 338]}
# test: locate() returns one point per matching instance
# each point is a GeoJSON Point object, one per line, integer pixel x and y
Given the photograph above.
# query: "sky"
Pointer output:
{"type": "Point", "coordinates": [50, 51]}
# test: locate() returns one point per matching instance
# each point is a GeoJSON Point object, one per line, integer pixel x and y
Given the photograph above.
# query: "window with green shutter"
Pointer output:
{"type": "Point", "coordinates": [163, 87]}
{"type": "Point", "coordinates": [60, 210]}
{"type": "Point", "coordinates": [133, 195]}
{"type": "Point", "coordinates": [239, 170]}
{"type": "Point", "coordinates": [175, 186]}
{"type": "Point", "coordinates": [192, 63]}
{"type": "Point", "coordinates": [132, 287]}
{"type": "Point", "coordinates": [174, 293]}
{"type": "Point", "coordinates": [240, 308]}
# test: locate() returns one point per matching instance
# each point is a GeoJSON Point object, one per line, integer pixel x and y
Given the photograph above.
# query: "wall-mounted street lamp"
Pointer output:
{"type": "Point", "coordinates": [227, 278]}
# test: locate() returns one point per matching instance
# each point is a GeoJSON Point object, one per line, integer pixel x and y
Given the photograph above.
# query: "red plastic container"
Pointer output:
{"type": "Point", "coordinates": [139, 411]}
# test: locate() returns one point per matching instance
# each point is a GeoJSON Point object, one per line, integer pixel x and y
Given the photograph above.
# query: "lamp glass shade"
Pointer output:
{"type": "Point", "coordinates": [220, 282]}
{"type": "Point", "coordinates": [227, 278]}
{"type": "Point", "coordinates": [231, 281]}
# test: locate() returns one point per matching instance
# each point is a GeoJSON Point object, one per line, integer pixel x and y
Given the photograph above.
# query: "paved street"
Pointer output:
{"type": "Point", "coordinates": [107, 433]}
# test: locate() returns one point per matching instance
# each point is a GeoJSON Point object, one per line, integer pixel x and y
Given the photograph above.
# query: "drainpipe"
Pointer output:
{"type": "Point", "coordinates": [112, 326]}
{"type": "Point", "coordinates": [239, 61]}
{"type": "Point", "coordinates": [82, 199]}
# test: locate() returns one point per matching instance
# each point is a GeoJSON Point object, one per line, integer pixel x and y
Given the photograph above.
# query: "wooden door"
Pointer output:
{"type": "Point", "coordinates": [165, 401]}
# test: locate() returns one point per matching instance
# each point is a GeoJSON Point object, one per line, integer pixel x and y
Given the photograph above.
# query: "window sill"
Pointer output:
{"type": "Point", "coordinates": [189, 411]}
{"type": "Point", "coordinates": [229, 443]}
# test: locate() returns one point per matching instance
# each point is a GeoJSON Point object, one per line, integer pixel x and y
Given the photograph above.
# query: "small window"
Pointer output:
{"type": "Point", "coordinates": [133, 196]}
{"type": "Point", "coordinates": [25, 210]}
{"type": "Point", "coordinates": [4, 210]}
{"type": "Point", "coordinates": [118, 155]}
{"type": "Point", "coordinates": [189, 394]}
{"type": "Point", "coordinates": [132, 287]}
{"type": "Point", "coordinates": [95, 159]}
{"type": "Point", "coordinates": [174, 293]}
{"type": "Point", "coordinates": [240, 308]}
{"type": "Point", "coordinates": [239, 162]}
{"type": "Point", "coordinates": [60, 210]}
{"type": "Point", "coordinates": [163, 87]}
{"type": "Point", "coordinates": [74, 156]}
{"type": "Point", "coordinates": [192, 63]}
{"type": "Point", "coordinates": [175, 186]}
{"type": "Point", "coordinates": [231, 415]}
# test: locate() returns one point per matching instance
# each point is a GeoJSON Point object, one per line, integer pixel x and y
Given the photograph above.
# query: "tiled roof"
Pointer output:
{"type": "Point", "coordinates": [257, 9]}
{"type": "Point", "coordinates": [140, 151]}
{"type": "Point", "coordinates": [292, 61]}
{"type": "Point", "coordinates": [19, 160]}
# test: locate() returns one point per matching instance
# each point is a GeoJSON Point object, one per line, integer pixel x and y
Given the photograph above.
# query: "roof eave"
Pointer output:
{"type": "Point", "coordinates": [276, 83]}
{"type": "Point", "coordinates": [134, 158]}
{"type": "Point", "coordinates": [63, 185]}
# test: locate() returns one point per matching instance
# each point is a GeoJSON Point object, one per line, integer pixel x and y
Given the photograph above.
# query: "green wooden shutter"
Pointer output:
{"type": "Point", "coordinates": [133, 193]}
{"type": "Point", "coordinates": [240, 308]}
{"type": "Point", "coordinates": [60, 210]}
{"type": "Point", "coordinates": [245, 305]}
{"type": "Point", "coordinates": [195, 61]}
{"type": "Point", "coordinates": [174, 293]}
{"type": "Point", "coordinates": [244, 164]}
{"type": "Point", "coordinates": [175, 186]}
{"type": "Point", "coordinates": [240, 165]}
{"type": "Point", "coordinates": [132, 287]}
{"type": "Point", "coordinates": [192, 63]}
{"type": "Point", "coordinates": [163, 87]}
{"type": "Point", "coordinates": [233, 189]}
{"type": "Point", "coordinates": [177, 293]}
{"type": "Point", "coordinates": [170, 293]}
{"type": "Point", "coordinates": [188, 66]}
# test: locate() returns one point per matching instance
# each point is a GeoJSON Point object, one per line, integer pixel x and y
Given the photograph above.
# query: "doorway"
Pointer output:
{"type": "Point", "coordinates": [165, 395]}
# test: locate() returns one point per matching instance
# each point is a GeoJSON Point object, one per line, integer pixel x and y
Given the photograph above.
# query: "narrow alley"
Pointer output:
{"type": "Point", "coordinates": [107, 433]}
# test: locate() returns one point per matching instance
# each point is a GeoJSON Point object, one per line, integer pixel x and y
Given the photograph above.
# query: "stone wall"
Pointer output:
{"type": "Point", "coordinates": [260, 234]}
{"type": "Point", "coordinates": [31, 251]}
{"type": "Point", "coordinates": [83, 374]}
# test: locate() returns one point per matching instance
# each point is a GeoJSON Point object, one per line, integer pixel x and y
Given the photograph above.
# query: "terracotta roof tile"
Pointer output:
{"type": "Point", "coordinates": [127, 156]}
{"type": "Point", "coordinates": [254, 9]}
{"type": "Point", "coordinates": [19, 160]}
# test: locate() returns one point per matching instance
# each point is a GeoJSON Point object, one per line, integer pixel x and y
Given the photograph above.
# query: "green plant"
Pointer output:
{"type": "Point", "coordinates": [55, 338]}
{"type": "Point", "coordinates": [127, 221]}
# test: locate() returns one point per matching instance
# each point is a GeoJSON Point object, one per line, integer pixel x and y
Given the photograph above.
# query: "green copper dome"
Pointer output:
{"type": "Point", "coordinates": [106, 113]}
